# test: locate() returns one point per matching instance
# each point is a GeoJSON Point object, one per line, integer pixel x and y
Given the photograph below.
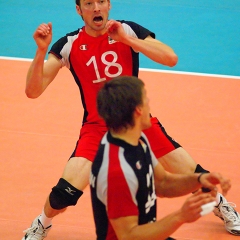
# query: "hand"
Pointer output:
{"type": "Point", "coordinates": [210, 180]}
{"type": "Point", "coordinates": [115, 30]}
{"type": "Point", "coordinates": [43, 36]}
{"type": "Point", "coordinates": [192, 208]}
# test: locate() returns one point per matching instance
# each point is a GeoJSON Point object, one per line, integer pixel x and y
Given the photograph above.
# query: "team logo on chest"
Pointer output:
{"type": "Point", "coordinates": [110, 40]}
{"type": "Point", "coordinates": [138, 165]}
{"type": "Point", "coordinates": [83, 47]}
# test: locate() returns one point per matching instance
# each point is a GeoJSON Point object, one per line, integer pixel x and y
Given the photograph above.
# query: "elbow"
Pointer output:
{"type": "Point", "coordinates": [173, 59]}
{"type": "Point", "coordinates": [160, 190]}
{"type": "Point", "coordinates": [165, 193]}
{"type": "Point", "coordinates": [160, 195]}
{"type": "Point", "coordinates": [30, 94]}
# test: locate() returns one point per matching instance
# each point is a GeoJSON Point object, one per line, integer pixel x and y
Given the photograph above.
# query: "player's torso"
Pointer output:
{"type": "Point", "coordinates": [94, 61]}
{"type": "Point", "coordinates": [136, 161]}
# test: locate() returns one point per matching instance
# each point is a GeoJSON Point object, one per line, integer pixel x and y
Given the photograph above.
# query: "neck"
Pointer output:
{"type": "Point", "coordinates": [129, 135]}
{"type": "Point", "coordinates": [95, 31]}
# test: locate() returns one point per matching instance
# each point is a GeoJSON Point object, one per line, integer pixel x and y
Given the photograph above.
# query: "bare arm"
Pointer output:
{"type": "Point", "coordinates": [174, 185]}
{"type": "Point", "coordinates": [152, 48]}
{"type": "Point", "coordinates": [40, 73]}
{"type": "Point", "coordinates": [127, 228]}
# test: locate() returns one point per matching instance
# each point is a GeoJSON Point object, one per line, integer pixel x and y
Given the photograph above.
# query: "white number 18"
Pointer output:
{"type": "Point", "coordinates": [108, 66]}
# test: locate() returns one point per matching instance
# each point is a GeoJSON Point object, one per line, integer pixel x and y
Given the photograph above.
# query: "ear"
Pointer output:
{"type": "Point", "coordinates": [138, 111]}
{"type": "Point", "coordinates": [110, 6]}
{"type": "Point", "coordinates": [79, 11]}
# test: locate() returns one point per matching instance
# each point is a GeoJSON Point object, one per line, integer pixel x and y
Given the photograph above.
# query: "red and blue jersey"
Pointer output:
{"type": "Point", "coordinates": [94, 60]}
{"type": "Point", "coordinates": [122, 184]}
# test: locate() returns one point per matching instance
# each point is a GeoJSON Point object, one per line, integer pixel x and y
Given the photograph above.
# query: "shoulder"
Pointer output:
{"type": "Point", "coordinates": [73, 33]}
{"type": "Point", "coordinates": [62, 47]}
{"type": "Point", "coordinates": [67, 37]}
{"type": "Point", "coordinates": [130, 24]}
{"type": "Point", "coordinates": [133, 27]}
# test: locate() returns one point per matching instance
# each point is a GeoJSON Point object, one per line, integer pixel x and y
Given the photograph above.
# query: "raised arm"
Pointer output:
{"type": "Point", "coordinates": [152, 48]}
{"type": "Point", "coordinates": [40, 73]}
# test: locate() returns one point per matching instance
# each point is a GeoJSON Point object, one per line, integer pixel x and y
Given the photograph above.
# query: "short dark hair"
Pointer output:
{"type": "Point", "coordinates": [77, 2]}
{"type": "Point", "coordinates": [118, 99]}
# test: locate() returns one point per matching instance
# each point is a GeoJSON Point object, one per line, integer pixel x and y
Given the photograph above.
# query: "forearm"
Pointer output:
{"type": "Point", "coordinates": [177, 185]}
{"type": "Point", "coordinates": [155, 50]}
{"type": "Point", "coordinates": [34, 81]}
{"type": "Point", "coordinates": [158, 230]}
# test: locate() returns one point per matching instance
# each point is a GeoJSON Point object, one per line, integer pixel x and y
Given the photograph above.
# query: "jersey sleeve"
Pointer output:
{"type": "Point", "coordinates": [62, 48]}
{"type": "Point", "coordinates": [133, 28]}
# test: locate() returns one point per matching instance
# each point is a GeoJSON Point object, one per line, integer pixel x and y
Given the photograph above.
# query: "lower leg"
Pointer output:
{"type": "Point", "coordinates": [49, 213]}
{"type": "Point", "coordinates": [75, 177]}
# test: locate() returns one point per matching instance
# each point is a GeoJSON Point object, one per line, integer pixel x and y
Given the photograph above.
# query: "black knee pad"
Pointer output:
{"type": "Point", "coordinates": [200, 169]}
{"type": "Point", "coordinates": [64, 195]}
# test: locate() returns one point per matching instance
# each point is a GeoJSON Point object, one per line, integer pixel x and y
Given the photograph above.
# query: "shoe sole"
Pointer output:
{"type": "Point", "coordinates": [234, 232]}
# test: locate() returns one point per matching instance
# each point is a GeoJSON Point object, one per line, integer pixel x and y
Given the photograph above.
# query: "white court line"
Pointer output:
{"type": "Point", "coordinates": [148, 70]}
{"type": "Point", "coordinates": [190, 73]}
{"type": "Point", "coordinates": [18, 59]}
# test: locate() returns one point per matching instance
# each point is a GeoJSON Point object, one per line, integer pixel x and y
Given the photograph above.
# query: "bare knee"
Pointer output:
{"type": "Point", "coordinates": [77, 171]}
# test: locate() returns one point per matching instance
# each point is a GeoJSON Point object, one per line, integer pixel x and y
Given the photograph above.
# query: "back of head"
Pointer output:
{"type": "Point", "coordinates": [118, 99]}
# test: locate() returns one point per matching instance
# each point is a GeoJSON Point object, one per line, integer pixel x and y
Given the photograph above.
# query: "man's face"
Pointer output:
{"type": "Point", "coordinates": [95, 15]}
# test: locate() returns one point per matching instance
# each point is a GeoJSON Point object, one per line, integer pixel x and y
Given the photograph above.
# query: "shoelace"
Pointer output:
{"type": "Point", "coordinates": [218, 213]}
{"type": "Point", "coordinates": [37, 231]}
{"type": "Point", "coordinates": [229, 212]}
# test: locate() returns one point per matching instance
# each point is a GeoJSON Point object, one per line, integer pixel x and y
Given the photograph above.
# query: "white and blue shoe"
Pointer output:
{"type": "Point", "coordinates": [225, 210]}
{"type": "Point", "coordinates": [36, 231]}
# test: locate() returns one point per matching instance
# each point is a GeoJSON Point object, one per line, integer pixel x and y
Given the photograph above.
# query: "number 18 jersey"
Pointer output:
{"type": "Point", "coordinates": [94, 60]}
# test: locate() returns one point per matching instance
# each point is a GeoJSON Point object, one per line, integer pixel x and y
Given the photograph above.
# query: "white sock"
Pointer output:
{"type": "Point", "coordinates": [45, 221]}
